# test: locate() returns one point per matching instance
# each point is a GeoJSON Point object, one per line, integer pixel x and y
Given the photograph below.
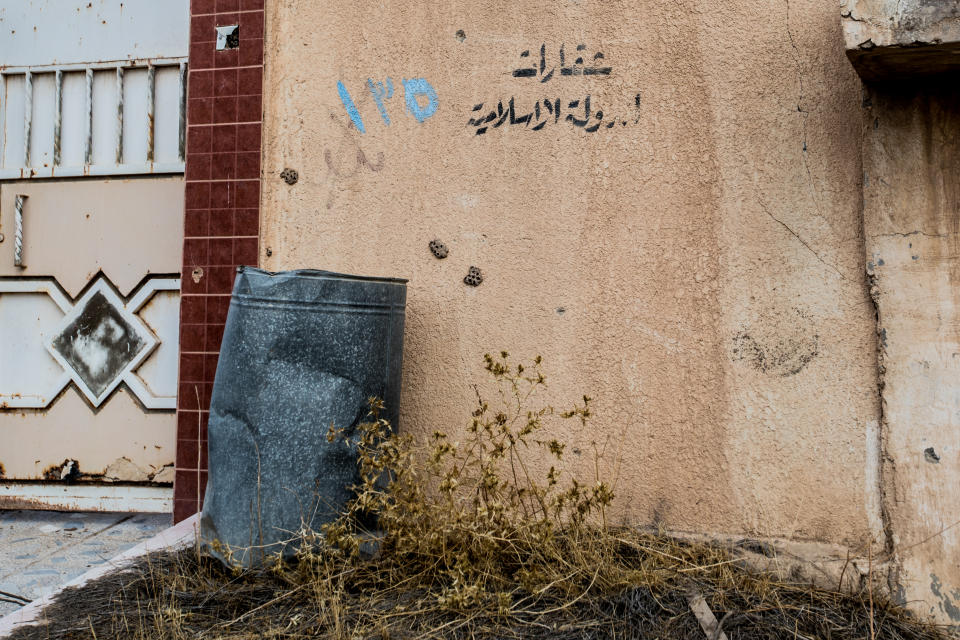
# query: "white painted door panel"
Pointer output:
{"type": "Point", "coordinates": [92, 123]}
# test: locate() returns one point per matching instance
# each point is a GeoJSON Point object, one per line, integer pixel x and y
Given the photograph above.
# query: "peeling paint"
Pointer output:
{"type": "Point", "coordinates": [946, 602]}
{"type": "Point", "coordinates": [124, 470]}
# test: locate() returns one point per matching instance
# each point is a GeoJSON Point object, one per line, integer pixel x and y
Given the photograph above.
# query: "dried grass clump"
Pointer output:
{"type": "Point", "coordinates": [470, 542]}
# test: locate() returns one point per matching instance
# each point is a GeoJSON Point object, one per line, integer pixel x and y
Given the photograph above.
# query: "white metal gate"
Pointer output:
{"type": "Point", "coordinates": [92, 121]}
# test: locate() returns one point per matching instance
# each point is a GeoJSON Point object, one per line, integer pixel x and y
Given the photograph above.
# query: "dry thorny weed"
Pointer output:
{"type": "Point", "coordinates": [468, 541]}
{"type": "Point", "coordinates": [470, 519]}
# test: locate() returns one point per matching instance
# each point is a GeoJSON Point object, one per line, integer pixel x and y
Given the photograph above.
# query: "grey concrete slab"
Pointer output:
{"type": "Point", "coordinates": [40, 550]}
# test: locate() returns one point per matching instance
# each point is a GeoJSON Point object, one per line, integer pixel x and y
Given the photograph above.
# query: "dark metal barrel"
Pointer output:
{"type": "Point", "coordinates": [301, 350]}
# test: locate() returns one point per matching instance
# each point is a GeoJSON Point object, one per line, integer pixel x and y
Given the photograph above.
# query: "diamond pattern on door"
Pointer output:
{"type": "Point", "coordinates": [99, 343]}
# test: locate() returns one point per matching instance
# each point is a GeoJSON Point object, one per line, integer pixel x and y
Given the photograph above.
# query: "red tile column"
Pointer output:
{"type": "Point", "coordinates": [222, 215]}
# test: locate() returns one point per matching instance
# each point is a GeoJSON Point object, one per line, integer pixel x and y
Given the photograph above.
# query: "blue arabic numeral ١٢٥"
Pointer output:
{"type": "Point", "coordinates": [415, 87]}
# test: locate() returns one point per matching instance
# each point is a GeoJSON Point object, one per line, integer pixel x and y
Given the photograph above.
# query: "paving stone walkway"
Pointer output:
{"type": "Point", "coordinates": [40, 550]}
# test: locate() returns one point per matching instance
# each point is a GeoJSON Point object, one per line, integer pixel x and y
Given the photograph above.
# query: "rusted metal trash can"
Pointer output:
{"type": "Point", "coordinates": [301, 350]}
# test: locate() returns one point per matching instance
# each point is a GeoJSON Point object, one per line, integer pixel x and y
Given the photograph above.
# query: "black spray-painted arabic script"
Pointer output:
{"type": "Point", "coordinates": [578, 68]}
{"type": "Point", "coordinates": [581, 111]}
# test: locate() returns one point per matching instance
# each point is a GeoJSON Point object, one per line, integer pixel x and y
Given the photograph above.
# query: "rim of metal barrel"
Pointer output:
{"type": "Point", "coordinates": [320, 273]}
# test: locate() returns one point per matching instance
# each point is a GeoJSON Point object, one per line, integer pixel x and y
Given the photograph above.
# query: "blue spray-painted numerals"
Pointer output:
{"type": "Point", "coordinates": [418, 94]}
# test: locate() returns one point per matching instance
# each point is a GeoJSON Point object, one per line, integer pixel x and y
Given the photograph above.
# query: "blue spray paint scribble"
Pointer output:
{"type": "Point", "coordinates": [415, 87]}
{"type": "Point", "coordinates": [379, 92]}
{"type": "Point", "coordinates": [350, 107]}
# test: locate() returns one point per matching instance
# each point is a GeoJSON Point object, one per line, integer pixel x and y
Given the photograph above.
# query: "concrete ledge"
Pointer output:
{"type": "Point", "coordinates": [898, 39]}
{"type": "Point", "coordinates": [180, 535]}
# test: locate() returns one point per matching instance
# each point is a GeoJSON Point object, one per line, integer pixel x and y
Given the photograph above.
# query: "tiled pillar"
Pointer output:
{"type": "Point", "coordinates": [222, 218]}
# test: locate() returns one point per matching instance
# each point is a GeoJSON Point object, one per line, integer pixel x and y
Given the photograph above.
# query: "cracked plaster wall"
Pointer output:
{"type": "Point", "coordinates": [699, 272]}
{"type": "Point", "coordinates": [911, 154]}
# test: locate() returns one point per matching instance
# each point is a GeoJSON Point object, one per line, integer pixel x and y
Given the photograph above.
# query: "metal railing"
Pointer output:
{"type": "Point", "coordinates": [19, 142]}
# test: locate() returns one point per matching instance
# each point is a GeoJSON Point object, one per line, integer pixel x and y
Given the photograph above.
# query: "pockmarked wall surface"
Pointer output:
{"type": "Point", "coordinates": [663, 200]}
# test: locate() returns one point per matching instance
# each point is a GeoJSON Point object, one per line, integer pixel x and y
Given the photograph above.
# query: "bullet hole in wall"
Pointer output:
{"type": "Point", "coordinates": [930, 455]}
{"type": "Point", "coordinates": [461, 36]}
{"type": "Point", "coordinates": [228, 37]}
{"type": "Point", "coordinates": [438, 249]}
{"type": "Point", "coordinates": [269, 252]}
{"type": "Point", "coordinates": [473, 277]}
{"type": "Point", "coordinates": [197, 274]}
{"type": "Point", "coordinates": [290, 176]}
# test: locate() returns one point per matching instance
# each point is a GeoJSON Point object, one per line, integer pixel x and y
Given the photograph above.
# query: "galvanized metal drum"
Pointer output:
{"type": "Point", "coordinates": [301, 350]}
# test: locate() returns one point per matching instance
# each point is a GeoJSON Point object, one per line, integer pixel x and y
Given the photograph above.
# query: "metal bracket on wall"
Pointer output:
{"type": "Point", "coordinates": [18, 233]}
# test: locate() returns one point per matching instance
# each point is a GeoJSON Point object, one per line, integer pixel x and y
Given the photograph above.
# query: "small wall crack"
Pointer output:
{"type": "Point", "coordinates": [801, 241]}
{"type": "Point", "coordinates": [804, 115]}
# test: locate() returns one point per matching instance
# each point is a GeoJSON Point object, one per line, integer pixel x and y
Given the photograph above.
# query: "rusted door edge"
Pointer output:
{"type": "Point", "coordinates": [182, 534]}
{"type": "Point", "coordinates": [85, 497]}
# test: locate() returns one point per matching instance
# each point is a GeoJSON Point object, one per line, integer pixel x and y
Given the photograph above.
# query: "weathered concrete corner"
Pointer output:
{"type": "Point", "coordinates": [893, 39]}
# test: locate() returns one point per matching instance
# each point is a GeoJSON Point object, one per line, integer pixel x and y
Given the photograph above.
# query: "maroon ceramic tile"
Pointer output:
{"type": "Point", "coordinates": [197, 195]}
{"type": "Point", "coordinates": [249, 108]}
{"type": "Point", "coordinates": [195, 222]}
{"type": "Point", "coordinates": [224, 137]}
{"type": "Point", "coordinates": [251, 26]}
{"type": "Point", "coordinates": [251, 51]}
{"type": "Point", "coordinates": [214, 336]}
{"type": "Point", "coordinates": [194, 252]}
{"type": "Point", "coordinates": [221, 223]}
{"type": "Point", "coordinates": [248, 137]}
{"type": "Point", "coordinates": [248, 193]}
{"type": "Point", "coordinates": [223, 195]}
{"type": "Point", "coordinates": [202, 6]}
{"type": "Point", "coordinates": [246, 222]}
{"type": "Point", "coordinates": [225, 109]}
{"type": "Point", "coordinates": [225, 82]}
{"type": "Point", "coordinates": [187, 395]}
{"type": "Point", "coordinates": [221, 251]}
{"type": "Point", "coordinates": [192, 337]}
{"type": "Point", "coordinates": [245, 251]}
{"type": "Point", "coordinates": [250, 81]}
{"type": "Point", "coordinates": [188, 454]}
{"type": "Point", "coordinates": [224, 166]}
{"type": "Point", "coordinates": [202, 425]}
{"type": "Point", "coordinates": [199, 167]}
{"type": "Point", "coordinates": [205, 389]}
{"type": "Point", "coordinates": [188, 425]}
{"type": "Point", "coordinates": [227, 5]}
{"type": "Point", "coordinates": [191, 368]}
{"type": "Point", "coordinates": [183, 509]}
{"type": "Point", "coordinates": [192, 425]}
{"type": "Point", "coordinates": [251, 5]}
{"type": "Point", "coordinates": [193, 309]}
{"type": "Point", "coordinates": [248, 165]}
{"type": "Point", "coordinates": [226, 58]}
{"type": "Point", "coordinates": [221, 281]}
{"type": "Point", "coordinates": [217, 308]}
{"type": "Point", "coordinates": [200, 110]}
{"type": "Point", "coordinates": [199, 140]}
{"type": "Point", "coordinates": [200, 84]}
{"type": "Point", "coordinates": [187, 481]}
{"type": "Point", "coordinates": [192, 454]}
{"type": "Point", "coordinates": [201, 55]}
{"type": "Point", "coordinates": [203, 29]}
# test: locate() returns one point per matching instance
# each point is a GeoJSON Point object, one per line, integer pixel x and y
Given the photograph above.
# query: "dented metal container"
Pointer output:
{"type": "Point", "coordinates": [301, 350]}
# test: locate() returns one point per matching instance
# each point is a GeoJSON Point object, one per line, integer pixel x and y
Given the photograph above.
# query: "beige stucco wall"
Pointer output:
{"type": "Point", "coordinates": [698, 271]}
